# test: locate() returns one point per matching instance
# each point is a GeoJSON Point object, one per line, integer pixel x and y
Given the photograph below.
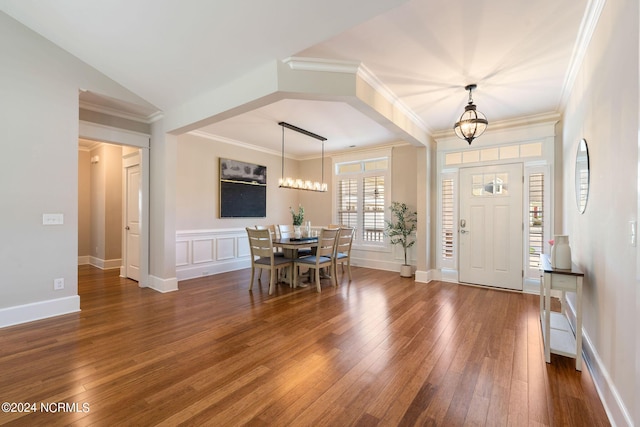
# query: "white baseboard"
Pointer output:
{"type": "Point", "coordinates": [615, 408]}
{"type": "Point", "coordinates": [375, 264]}
{"type": "Point", "coordinates": [163, 285]}
{"type": "Point", "coordinates": [84, 259]}
{"type": "Point", "coordinates": [424, 276]}
{"type": "Point", "coordinates": [105, 264]}
{"type": "Point", "coordinates": [208, 269]}
{"type": "Point", "coordinates": [38, 310]}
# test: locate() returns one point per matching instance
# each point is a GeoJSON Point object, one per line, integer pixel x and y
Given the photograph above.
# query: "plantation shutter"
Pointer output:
{"type": "Point", "coordinates": [348, 202]}
{"type": "Point", "coordinates": [536, 218]}
{"type": "Point", "coordinates": [447, 219]}
{"type": "Point", "coordinates": [373, 208]}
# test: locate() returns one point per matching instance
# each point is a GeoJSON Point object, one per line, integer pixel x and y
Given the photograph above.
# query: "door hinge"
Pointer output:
{"type": "Point", "coordinates": [523, 273]}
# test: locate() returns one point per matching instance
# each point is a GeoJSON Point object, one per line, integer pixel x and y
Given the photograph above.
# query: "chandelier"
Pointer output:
{"type": "Point", "coordinates": [472, 123]}
{"type": "Point", "coordinates": [299, 184]}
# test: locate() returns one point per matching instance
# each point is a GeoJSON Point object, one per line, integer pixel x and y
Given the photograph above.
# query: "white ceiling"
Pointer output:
{"type": "Point", "coordinates": [519, 52]}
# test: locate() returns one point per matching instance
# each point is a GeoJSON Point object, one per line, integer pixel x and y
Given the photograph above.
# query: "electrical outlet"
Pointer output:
{"type": "Point", "coordinates": [58, 284]}
{"type": "Point", "coordinates": [52, 219]}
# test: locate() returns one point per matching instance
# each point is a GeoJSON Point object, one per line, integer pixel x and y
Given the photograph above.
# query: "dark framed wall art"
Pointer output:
{"type": "Point", "coordinates": [243, 189]}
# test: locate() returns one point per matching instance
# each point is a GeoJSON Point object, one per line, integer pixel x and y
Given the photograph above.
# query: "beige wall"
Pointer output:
{"type": "Point", "coordinates": [197, 198]}
{"type": "Point", "coordinates": [197, 185]}
{"type": "Point", "coordinates": [106, 202]}
{"type": "Point", "coordinates": [40, 119]}
{"type": "Point", "coordinates": [603, 109]}
{"type": "Point", "coordinates": [405, 179]}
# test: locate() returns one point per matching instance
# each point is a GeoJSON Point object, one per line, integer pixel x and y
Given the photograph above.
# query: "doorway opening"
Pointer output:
{"type": "Point", "coordinates": [109, 203]}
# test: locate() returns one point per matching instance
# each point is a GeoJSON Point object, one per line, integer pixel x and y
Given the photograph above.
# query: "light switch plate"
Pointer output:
{"type": "Point", "coordinates": [52, 219]}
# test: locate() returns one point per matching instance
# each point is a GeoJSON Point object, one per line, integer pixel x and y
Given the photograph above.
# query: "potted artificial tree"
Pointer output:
{"type": "Point", "coordinates": [400, 229]}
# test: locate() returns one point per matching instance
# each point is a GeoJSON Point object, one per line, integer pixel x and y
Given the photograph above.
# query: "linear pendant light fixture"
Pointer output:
{"type": "Point", "coordinates": [472, 123]}
{"type": "Point", "coordinates": [299, 184]}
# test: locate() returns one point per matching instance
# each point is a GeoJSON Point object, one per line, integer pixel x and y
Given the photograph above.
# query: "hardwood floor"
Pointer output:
{"type": "Point", "coordinates": [381, 350]}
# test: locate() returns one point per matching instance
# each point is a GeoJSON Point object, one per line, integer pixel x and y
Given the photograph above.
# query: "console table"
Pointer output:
{"type": "Point", "coordinates": [558, 336]}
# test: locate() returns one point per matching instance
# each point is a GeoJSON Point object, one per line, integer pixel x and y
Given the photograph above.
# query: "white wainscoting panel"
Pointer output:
{"type": "Point", "coordinates": [202, 250]}
{"type": "Point", "coordinates": [243, 248]}
{"type": "Point", "coordinates": [206, 252]}
{"type": "Point", "coordinates": [226, 246]}
{"type": "Point", "coordinates": [182, 253]}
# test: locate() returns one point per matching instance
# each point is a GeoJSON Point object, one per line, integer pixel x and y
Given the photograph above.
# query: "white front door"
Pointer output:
{"type": "Point", "coordinates": [491, 226]}
{"type": "Point", "coordinates": [132, 221]}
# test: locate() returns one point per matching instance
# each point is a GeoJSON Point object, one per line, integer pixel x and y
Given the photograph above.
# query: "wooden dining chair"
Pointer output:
{"type": "Point", "coordinates": [322, 258]}
{"type": "Point", "coordinates": [342, 253]}
{"type": "Point", "coordinates": [263, 257]}
{"type": "Point", "coordinates": [274, 235]}
{"type": "Point", "coordinates": [285, 231]}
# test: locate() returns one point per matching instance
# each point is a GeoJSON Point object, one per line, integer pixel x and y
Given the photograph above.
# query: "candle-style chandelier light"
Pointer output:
{"type": "Point", "coordinates": [300, 184]}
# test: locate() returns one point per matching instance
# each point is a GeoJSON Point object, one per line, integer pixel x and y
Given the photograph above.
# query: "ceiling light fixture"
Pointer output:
{"type": "Point", "coordinates": [299, 184]}
{"type": "Point", "coordinates": [472, 123]}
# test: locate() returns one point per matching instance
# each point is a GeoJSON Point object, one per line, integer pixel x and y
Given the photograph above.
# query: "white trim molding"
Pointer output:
{"type": "Point", "coordinates": [38, 310]}
{"type": "Point", "coordinates": [614, 406]}
{"type": "Point", "coordinates": [206, 252]}
{"type": "Point", "coordinates": [163, 285]}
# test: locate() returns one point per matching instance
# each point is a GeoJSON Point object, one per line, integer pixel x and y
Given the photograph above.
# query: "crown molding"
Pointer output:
{"type": "Point", "coordinates": [535, 119]}
{"type": "Point", "coordinates": [585, 32]}
{"type": "Point", "coordinates": [121, 114]}
{"type": "Point", "coordinates": [237, 143]}
{"type": "Point", "coordinates": [367, 75]}
{"type": "Point", "coordinates": [323, 65]}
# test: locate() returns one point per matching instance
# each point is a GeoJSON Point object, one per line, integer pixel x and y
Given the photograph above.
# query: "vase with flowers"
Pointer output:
{"type": "Point", "coordinates": [298, 219]}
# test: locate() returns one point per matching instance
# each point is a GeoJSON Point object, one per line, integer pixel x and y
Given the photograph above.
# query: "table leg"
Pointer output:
{"type": "Point", "coordinates": [547, 317]}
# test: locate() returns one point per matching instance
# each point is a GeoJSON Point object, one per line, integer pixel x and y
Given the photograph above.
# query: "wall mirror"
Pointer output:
{"type": "Point", "coordinates": [582, 175]}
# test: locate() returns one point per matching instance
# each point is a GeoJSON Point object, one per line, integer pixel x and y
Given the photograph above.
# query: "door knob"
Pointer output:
{"type": "Point", "coordinates": [127, 228]}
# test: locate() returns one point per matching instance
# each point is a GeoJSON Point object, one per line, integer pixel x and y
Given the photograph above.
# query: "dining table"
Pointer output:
{"type": "Point", "coordinates": [291, 245]}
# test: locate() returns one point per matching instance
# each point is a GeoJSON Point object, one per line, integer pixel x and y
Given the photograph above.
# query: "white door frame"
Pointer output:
{"type": "Point", "coordinates": [111, 135]}
{"type": "Point", "coordinates": [507, 270]}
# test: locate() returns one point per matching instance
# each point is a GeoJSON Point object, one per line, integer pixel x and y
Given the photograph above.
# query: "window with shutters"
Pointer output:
{"type": "Point", "coordinates": [537, 223]}
{"type": "Point", "coordinates": [362, 197]}
{"type": "Point", "coordinates": [447, 219]}
{"type": "Point", "coordinates": [536, 219]}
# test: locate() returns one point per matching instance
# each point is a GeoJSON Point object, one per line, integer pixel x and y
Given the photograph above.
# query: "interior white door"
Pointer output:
{"type": "Point", "coordinates": [491, 226]}
{"type": "Point", "coordinates": [132, 221]}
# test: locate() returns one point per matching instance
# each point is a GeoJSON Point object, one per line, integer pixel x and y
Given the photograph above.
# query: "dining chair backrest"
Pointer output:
{"type": "Point", "coordinates": [286, 231]}
{"type": "Point", "coordinates": [327, 242]}
{"type": "Point", "coordinates": [260, 243]}
{"type": "Point", "coordinates": [342, 253]}
{"type": "Point", "coordinates": [344, 240]}
{"type": "Point", "coordinates": [272, 228]}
